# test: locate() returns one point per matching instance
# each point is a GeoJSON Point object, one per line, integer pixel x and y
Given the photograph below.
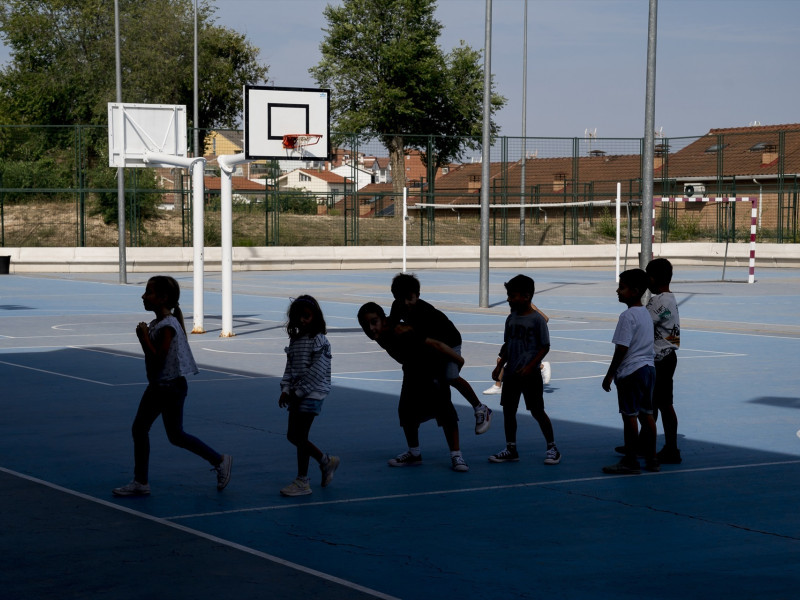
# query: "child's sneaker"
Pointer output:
{"type": "Point", "coordinates": [652, 465]}
{"type": "Point", "coordinates": [505, 455]}
{"type": "Point", "coordinates": [299, 487]}
{"type": "Point", "coordinates": [546, 372]}
{"type": "Point", "coordinates": [495, 389]}
{"type": "Point", "coordinates": [667, 456]}
{"type": "Point", "coordinates": [483, 418]}
{"type": "Point", "coordinates": [459, 464]}
{"type": "Point", "coordinates": [328, 468]}
{"type": "Point", "coordinates": [406, 459]}
{"type": "Point", "coordinates": [223, 470]}
{"type": "Point", "coordinates": [623, 467]}
{"type": "Point", "coordinates": [552, 456]}
{"type": "Point", "coordinates": [134, 488]}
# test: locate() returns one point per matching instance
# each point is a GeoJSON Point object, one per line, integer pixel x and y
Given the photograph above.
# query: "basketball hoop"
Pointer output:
{"type": "Point", "coordinates": [297, 142]}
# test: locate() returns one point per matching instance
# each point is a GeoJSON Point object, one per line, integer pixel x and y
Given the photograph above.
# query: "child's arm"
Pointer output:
{"type": "Point", "coordinates": [164, 339]}
{"type": "Point", "coordinates": [619, 353]}
{"type": "Point", "coordinates": [446, 350]}
{"type": "Point", "coordinates": [501, 362]}
{"type": "Point", "coordinates": [533, 365]}
{"type": "Point", "coordinates": [534, 307]}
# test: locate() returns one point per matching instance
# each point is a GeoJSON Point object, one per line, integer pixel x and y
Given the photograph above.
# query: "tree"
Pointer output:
{"type": "Point", "coordinates": [62, 72]}
{"type": "Point", "coordinates": [62, 68]}
{"type": "Point", "coordinates": [389, 79]}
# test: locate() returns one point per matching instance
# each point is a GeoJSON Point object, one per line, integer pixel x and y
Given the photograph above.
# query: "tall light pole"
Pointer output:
{"type": "Point", "coordinates": [196, 94]}
{"type": "Point", "coordinates": [524, 126]}
{"type": "Point", "coordinates": [649, 139]}
{"type": "Point", "coordinates": [486, 150]}
{"type": "Point", "coordinates": [123, 268]}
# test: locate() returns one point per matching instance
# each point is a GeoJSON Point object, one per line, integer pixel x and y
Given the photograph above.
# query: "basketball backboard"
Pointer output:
{"type": "Point", "coordinates": [270, 113]}
{"type": "Point", "coordinates": [136, 130]}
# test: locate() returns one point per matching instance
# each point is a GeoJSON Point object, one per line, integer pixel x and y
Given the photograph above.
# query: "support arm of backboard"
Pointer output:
{"type": "Point", "coordinates": [197, 167]}
{"type": "Point", "coordinates": [227, 166]}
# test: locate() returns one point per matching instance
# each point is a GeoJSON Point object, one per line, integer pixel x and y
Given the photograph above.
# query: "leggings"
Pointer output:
{"type": "Point", "coordinates": [164, 398]}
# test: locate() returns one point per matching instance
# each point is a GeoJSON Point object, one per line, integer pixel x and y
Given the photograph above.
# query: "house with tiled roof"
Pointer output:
{"type": "Point", "coordinates": [315, 182]}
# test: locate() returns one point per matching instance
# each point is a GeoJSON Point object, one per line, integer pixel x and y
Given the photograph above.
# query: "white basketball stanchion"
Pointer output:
{"type": "Point", "coordinates": [227, 166]}
{"type": "Point", "coordinates": [197, 167]}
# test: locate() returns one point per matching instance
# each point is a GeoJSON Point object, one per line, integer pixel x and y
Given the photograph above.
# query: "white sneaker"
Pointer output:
{"type": "Point", "coordinates": [459, 464]}
{"type": "Point", "coordinates": [134, 488]}
{"type": "Point", "coordinates": [546, 371]}
{"type": "Point", "coordinates": [223, 470]}
{"type": "Point", "coordinates": [298, 487]}
{"type": "Point", "coordinates": [495, 389]}
{"type": "Point", "coordinates": [483, 418]}
{"type": "Point", "coordinates": [328, 469]}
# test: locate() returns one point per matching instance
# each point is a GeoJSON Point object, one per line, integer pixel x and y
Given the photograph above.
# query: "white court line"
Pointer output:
{"type": "Point", "coordinates": [282, 353]}
{"type": "Point", "coordinates": [10, 364]}
{"type": "Point", "coordinates": [205, 536]}
{"type": "Point", "coordinates": [509, 486]}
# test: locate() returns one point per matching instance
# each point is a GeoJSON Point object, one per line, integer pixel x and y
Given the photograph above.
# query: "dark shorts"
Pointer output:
{"type": "Point", "coordinates": [422, 399]}
{"type": "Point", "coordinates": [665, 371]}
{"type": "Point", "coordinates": [530, 387]}
{"type": "Point", "coordinates": [635, 392]}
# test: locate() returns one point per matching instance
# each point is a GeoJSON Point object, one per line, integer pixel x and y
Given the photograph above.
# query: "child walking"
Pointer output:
{"type": "Point", "coordinates": [632, 371]}
{"type": "Point", "coordinates": [434, 324]}
{"type": "Point", "coordinates": [526, 341]}
{"type": "Point", "coordinates": [305, 384]}
{"type": "Point", "coordinates": [168, 359]}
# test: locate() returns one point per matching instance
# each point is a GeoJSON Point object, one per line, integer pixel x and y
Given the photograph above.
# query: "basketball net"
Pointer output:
{"type": "Point", "coordinates": [298, 142]}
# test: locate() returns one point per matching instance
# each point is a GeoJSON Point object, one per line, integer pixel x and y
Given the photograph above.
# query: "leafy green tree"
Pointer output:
{"type": "Point", "coordinates": [62, 72]}
{"type": "Point", "coordinates": [390, 80]}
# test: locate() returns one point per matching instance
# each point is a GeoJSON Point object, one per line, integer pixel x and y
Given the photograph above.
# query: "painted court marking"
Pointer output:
{"type": "Point", "coordinates": [202, 535]}
{"type": "Point", "coordinates": [483, 489]}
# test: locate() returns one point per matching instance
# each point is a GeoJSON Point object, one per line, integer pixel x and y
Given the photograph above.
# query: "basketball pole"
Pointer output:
{"type": "Point", "coordinates": [197, 167]}
{"type": "Point", "coordinates": [227, 164]}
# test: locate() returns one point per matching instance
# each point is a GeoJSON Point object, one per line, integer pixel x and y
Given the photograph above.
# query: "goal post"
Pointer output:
{"type": "Point", "coordinates": [753, 200]}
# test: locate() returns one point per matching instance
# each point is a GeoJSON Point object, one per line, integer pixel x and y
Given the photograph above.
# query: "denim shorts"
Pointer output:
{"type": "Point", "coordinates": [635, 392]}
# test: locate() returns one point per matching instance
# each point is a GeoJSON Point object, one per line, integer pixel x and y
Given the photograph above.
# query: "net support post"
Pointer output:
{"type": "Point", "coordinates": [405, 225]}
{"type": "Point", "coordinates": [197, 167]}
{"type": "Point", "coordinates": [227, 164]}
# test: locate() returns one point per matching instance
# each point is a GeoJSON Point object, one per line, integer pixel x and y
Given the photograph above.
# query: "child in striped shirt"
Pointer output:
{"type": "Point", "coordinates": [305, 383]}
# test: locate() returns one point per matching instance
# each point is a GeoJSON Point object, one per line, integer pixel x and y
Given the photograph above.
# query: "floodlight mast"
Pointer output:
{"type": "Point", "coordinates": [197, 166]}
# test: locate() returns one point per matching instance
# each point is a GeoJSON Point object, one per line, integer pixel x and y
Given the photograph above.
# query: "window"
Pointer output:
{"type": "Point", "coordinates": [304, 177]}
{"type": "Point", "coordinates": [716, 148]}
{"type": "Point", "coordinates": [763, 147]}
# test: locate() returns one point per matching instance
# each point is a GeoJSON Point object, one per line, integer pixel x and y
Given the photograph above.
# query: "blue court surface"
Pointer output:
{"type": "Point", "coordinates": [723, 524]}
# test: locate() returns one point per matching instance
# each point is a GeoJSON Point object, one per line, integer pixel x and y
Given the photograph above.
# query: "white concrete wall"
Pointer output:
{"type": "Point", "coordinates": [149, 260]}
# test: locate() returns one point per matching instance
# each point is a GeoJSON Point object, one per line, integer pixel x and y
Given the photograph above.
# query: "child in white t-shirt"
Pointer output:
{"type": "Point", "coordinates": [633, 372]}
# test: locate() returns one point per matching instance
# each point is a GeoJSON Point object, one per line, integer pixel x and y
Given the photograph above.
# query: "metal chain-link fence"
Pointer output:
{"type": "Point", "coordinates": [56, 189]}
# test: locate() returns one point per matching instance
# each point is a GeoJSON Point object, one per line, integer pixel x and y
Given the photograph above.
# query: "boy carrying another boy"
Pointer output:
{"type": "Point", "coordinates": [424, 394]}
{"type": "Point", "coordinates": [433, 323]}
{"type": "Point", "coordinates": [526, 341]}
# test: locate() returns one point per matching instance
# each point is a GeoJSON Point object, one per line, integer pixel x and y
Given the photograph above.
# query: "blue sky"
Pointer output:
{"type": "Point", "coordinates": [720, 63]}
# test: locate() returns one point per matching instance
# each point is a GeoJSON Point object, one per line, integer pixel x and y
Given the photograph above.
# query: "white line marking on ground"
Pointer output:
{"type": "Point", "coordinates": [479, 489]}
{"type": "Point", "coordinates": [55, 373]}
{"type": "Point", "coordinates": [203, 535]}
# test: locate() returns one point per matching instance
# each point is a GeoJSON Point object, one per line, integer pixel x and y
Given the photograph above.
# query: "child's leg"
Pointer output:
{"type": "Point", "coordinates": [630, 429]}
{"type": "Point", "coordinates": [173, 397]}
{"type": "Point", "coordinates": [544, 424]}
{"type": "Point", "coordinates": [647, 438]}
{"type": "Point", "coordinates": [412, 435]}
{"type": "Point", "coordinates": [297, 434]}
{"type": "Point", "coordinates": [669, 421]}
{"type": "Point", "coordinates": [463, 387]}
{"type": "Point", "coordinates": [451, 435]}
{"type": "Point", "coordinates": [145, 417]}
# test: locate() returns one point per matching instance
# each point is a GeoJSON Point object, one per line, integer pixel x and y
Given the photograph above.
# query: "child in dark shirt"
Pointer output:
{"type": "Point", "coordinates": [433, 323]}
